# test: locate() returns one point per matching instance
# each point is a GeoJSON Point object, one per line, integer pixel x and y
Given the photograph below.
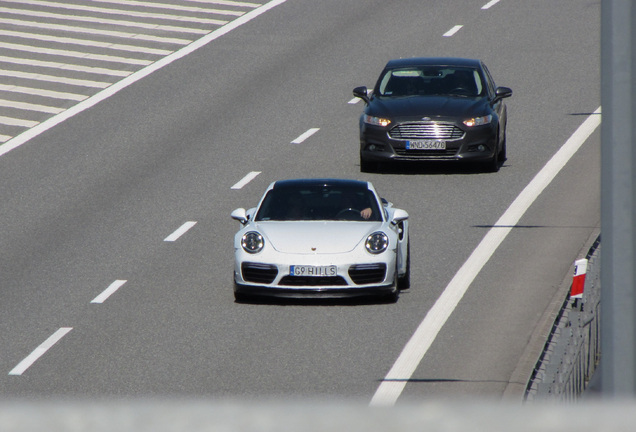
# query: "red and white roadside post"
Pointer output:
{"type": "Point", "coordinates": [578, 281]}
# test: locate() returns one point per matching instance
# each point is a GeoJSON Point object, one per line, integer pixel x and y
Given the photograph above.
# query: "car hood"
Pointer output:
{"type": "Point", "coordinates": [316, 237]}
{"type": "Point", "coordinates": [416, 107]}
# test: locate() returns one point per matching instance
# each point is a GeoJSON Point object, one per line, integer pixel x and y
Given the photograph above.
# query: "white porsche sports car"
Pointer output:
{"type": "Point", "coordinates": [325, 238]}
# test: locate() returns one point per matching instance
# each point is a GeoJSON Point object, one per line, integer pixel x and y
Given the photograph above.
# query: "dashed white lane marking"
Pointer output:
{"type": "Point", "coordinates": [40, 351]}
{"type": "Point", "coordinates": [180, 231]}
{"type": "Point", "coordinates": [109, 291]}
{"type": "Point", "coordinates": [415, 349]}
{"type": "Point", "coordinates": [452, 31]}
{"type": "Point", "coordinates": [245, 180]}
{"type": "Point", "coordinates": [490, 4]}
{"type": "Point", "coordinates": [306, 135]}
{"type": "Point", "coordinates": [354, 101]}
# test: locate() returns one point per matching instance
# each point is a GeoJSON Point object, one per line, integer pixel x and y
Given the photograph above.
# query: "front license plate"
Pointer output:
{"type": "Point", "coordinates": [304, 270]}
{"type": "Point", "coordinates": [426, 145]}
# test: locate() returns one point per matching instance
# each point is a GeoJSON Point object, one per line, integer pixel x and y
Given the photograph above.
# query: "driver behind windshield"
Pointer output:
{"type": "Point", "coordinates": [352, 205]}
{"type": "Point", "coordinates": [319, 204]}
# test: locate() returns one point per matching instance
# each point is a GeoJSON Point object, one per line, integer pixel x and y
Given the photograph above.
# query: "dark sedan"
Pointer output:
{"type": "Point", "coordinates": [433, 109]}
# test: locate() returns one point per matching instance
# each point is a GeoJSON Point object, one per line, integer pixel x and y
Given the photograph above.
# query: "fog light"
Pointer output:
{"type": "Point", "coordinates": [481, 148]}
{"type": "Point", "coordinates": [372, 147]}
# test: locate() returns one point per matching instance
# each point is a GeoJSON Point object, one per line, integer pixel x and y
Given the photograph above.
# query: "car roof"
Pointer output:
{"type": "Point", "coordinates": [325, 182]}
{"type": "Point", "coordinates": [433, 61]}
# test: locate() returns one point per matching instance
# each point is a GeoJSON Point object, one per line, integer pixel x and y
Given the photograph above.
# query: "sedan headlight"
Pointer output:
{"type": "Point", "coordinates": [377, 242]}
{"type": "Point", "coordinates": [376, 121]}
{"type": "Point", "coordinates": [478, 121]}
{"type": "Point", "coordinates": [252, 242]}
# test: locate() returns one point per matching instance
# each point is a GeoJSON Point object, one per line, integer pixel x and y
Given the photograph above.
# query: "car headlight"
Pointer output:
{"type": "Point", "coordinates": [478, 121]}
{"type": "Point", "coordinates": [377, 242]}
{"type": "Point", "coordinates": [252, 242]}
{"type": "Point", "coordinates": [376, 121]}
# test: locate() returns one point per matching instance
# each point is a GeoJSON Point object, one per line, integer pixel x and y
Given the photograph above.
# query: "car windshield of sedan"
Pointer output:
{"type": "Point", "coordinates": [431, 81]}
{"type": "Point", "coordinates": [319, 202]}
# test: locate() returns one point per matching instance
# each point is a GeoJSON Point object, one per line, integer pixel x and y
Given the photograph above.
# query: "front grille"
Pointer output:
{"type": "Point", "coordinates": [259, 273]}
{"type": "Point", "coordinates": [425, 153]}
{"type": "Point", "coordinates": [426, 131]}
{"type": "Point", "coordinates": [367, 273]}
{"type": "Point", "coordinates": [312, 280]}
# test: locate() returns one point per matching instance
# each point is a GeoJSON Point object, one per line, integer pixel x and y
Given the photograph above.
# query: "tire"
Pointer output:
{"type": "Point", "coordinates": [502, 152]}
{"type": "Point", "coordinates": [492, 166]}
{"type": "Point", "coordinates": [241, 298]}
{"type": "Point", "coordinates": [393, 297]}
{"type": "Point", "coordinates": [368, 166]}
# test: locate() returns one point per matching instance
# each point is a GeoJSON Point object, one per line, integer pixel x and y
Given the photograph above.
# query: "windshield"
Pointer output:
{"type": "Point", "coordinates": [430, 80]}
{"type": "Point", "coordinates": [319, 202]}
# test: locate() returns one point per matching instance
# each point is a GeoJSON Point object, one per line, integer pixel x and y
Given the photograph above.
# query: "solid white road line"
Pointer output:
{"type": "Point", "coordinates": [452, 31]}
{"type": "Point", "coordinates": [119, 85]}
{"type": "Point", "coordinates": [415, 349]}
{"type": "Point", "coordinates": [109, 291]}
{"type": "Point", "coordinates": [306, 135]}
{"type": "Point", "coordinates": [490, 4]}
{"type": "Point", "coordinates": [180, 231]}
{"type": "Point", "coordinates": [245, 180]}
{"type": "Point", "coordinates": [39, 351]}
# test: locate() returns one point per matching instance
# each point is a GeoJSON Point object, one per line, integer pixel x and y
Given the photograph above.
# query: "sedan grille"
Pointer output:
{"type": "Point", "coordinates": [425, 154]}
{"type": "Point", "coordinates": [312, 281]}
{"type": "Point", "coordinates": [426, 131]}
{"type": "Point", "coordinates": [259, 273]}
{"type": "Point", "coordinates": [367, 273]}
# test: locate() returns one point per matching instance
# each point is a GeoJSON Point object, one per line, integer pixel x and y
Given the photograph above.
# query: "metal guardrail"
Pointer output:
{"type": "Point", "coordinates": [572, 352]}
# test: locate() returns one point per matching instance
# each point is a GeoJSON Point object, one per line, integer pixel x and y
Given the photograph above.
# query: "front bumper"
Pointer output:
{"type": "Point", "coordinates": [372, 277]}
{"type": "Point", "coordinates": [315, 292]}
{"type": "Point", "coordinates": [477, 144]}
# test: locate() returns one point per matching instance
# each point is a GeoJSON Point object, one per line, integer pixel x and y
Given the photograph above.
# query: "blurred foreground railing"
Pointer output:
{"type": "Point", "coordinates": [572, 352]}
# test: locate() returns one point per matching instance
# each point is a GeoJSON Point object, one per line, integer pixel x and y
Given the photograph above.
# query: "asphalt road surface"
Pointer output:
{"type": "Point", "coordinates": [96, 297]}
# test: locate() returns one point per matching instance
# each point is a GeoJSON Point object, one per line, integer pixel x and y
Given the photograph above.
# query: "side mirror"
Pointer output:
{"type": "Point", "coordinates": [399, 215]}
{"type": "Point", "coordinates": [240, 215]}
{"type": "Point", "coordinates": [502, 92]}
{"type": "Point", "coordinates": [362, 93]}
